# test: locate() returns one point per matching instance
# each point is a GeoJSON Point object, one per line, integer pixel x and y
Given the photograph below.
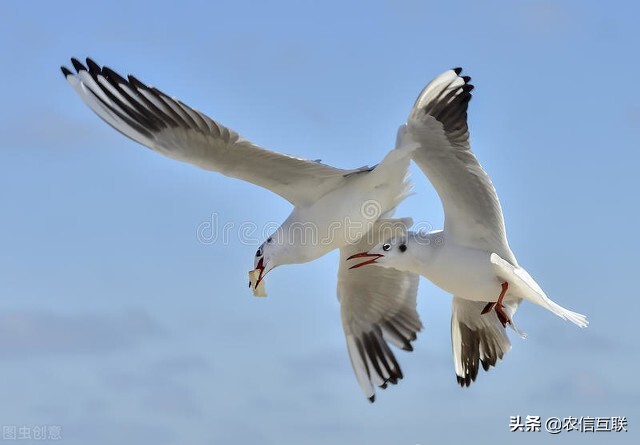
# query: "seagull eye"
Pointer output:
{"type": "Point", "coordinates": [269, 239]}
{"type": "Point", "coordinates": [386, 247]}
{"type": "Point", "coordinates": [402, 247]}
{"type": "Point", "coordinates": [259, 252]}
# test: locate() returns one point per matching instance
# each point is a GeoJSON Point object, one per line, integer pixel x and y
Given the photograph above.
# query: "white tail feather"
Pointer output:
{"type": "Point", "coordinates": [565, 314]}
{"type": "Point", "coordinates": [527, 288]}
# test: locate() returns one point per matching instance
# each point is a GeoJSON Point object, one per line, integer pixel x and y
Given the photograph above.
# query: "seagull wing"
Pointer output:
{"type": "Point", "coordinates": [176, 130]}
{"type": "Point", "coordinates": [377, 305]}
{"type": "Point", "coordinates": [477, 338]}
{"type": "Point", "coordinates": [438, 123]}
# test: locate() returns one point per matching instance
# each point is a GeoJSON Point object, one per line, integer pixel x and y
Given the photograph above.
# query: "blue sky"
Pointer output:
{"type": "Point", "coordinates": [119, 325]}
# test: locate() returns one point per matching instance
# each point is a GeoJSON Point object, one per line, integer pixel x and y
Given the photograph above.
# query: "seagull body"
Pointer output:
{"type": "Point", "coordinates": [333, 208]}
{"type": "Point", "coordinates": [470, 257]}
{"type": "Point", "coordinates": [323, 196]}
{"type": "Point", "coordinates": [344, 215]}
{"type": "Point", "coordinates": [441, 263]}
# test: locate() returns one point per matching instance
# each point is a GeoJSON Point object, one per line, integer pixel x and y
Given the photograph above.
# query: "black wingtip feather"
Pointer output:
{"type": "Point", "coordinates": [467, 87]}
{"type": "Point", "coordinates": [78, 65]}
{"type": "Point", "coordinates": [457, 70]}
{"type": "Point", "coordinates": [135, 82]}
{"type": "Point", "coordinates": [94, 68]}
{"type": "Point", "coordinates": [372, 398]}
{"type": "Point", "coordinates": [450, 109]}
{"type": "Point", "coordinates": [112, 75]}
{"type": "Point", "coordinates": [66, 71]}
{"type": "Point", "coordinates": [464, 382]}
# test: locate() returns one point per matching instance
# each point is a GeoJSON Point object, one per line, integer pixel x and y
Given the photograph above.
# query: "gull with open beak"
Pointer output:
{"type": "Point", "coordinates": [376, 310]}
{"type": "Point", "coordinates": [372, 257]}
{"type": "Point", "coordinates": [321, 195]}
{"type": "Point", "coordinates": [471, 257]}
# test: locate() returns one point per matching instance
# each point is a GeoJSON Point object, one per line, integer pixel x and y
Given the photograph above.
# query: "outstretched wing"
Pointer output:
{"type": "Point", "coordinates": [377, 305]}
{"type": "Point", "coordinates": [477, 338]}
{"type": "Point", "coordinates": [438, 122]}
{"type": "Point", "coordinates": [176, 130]}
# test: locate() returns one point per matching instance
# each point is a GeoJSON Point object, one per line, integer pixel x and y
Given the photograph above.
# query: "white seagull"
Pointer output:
{"type": "Point", "coordinates": [341, 206]}
{"type": "Point", "coordinates": [471, 257]}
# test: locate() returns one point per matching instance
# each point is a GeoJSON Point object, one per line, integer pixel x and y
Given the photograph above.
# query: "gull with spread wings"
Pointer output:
{"type": "Point", "coordinates": [377, 305]}
{"type": "Point", "coordinates": [471, 257]}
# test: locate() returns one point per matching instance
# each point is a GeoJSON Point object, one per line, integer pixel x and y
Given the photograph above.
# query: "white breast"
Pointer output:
{"type": "Point", "coordinates": [463, 272]}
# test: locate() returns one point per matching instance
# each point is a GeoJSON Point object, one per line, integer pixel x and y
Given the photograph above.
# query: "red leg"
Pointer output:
{"type": "Point", "coordinates": [499, 308]}
{"type": "Point", "coordinates": [505, 287]}
{"type": "Point", "coordinates": [487, 308]}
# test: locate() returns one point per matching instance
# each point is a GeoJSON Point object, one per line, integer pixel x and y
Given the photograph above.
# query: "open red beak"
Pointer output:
{"type": "Point", "coordinates": [261, 267]}
{"type": "Point", "coordinates": [373, 257]}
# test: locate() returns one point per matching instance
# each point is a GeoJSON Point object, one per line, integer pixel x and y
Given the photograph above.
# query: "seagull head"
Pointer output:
{"type": "Point", "coordinates": [266, 259]}
{"type": "Point", "coordinates": [394, 252]}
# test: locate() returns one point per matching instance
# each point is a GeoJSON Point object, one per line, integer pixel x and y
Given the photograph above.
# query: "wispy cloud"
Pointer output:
{"type": "Point", "coordinates": [40, 333]}
{"type": "Point", "coordinates": [161, 387]}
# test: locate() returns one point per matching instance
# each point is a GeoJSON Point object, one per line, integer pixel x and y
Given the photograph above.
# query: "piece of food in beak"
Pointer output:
{"type": "Point", "coordinates": [258, 290]}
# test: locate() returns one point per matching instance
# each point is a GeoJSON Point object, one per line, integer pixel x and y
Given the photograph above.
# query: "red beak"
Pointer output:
{"type": "Point", "coordinates": [261, 267]}
{"type": "Point", "coordinates": [373, 256]}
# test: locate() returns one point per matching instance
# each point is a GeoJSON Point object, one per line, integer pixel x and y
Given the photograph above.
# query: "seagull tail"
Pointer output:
{"type": "Point", "coordinates": [526, 287]}
{"type": "Point", "coordinates": [574, 317]}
